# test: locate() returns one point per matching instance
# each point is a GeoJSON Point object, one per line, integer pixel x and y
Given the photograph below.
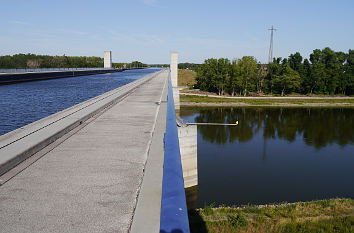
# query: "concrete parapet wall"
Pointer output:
{"type": "Point", "coordinates": [20, 144]}
{"type": "Point", "coordinates": [10, 78]}
{"type": "Point", "coordinates": [187, 136]}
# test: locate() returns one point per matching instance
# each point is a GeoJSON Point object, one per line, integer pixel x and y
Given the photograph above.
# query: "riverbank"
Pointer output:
{"type": "Point", "coordinates": [332, 215]}
{"type": "Point", "coordinates": [202, 100]}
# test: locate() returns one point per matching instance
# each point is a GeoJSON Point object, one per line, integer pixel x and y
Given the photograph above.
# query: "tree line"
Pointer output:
{"type": "Point", "coordinates": [131, 65]}
{"type": "Point", "coordinates": [20, 61]}
{"type": "Point", "coordinates": [185, 65]}
{"type": "Point", "coordinates": [325, 72]}
{"type": "Point", "coordinates": [46, 61]}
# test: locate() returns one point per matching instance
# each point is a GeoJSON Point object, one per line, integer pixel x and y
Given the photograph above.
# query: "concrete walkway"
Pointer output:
{"type": "Point", "coordinates": [90, 182]}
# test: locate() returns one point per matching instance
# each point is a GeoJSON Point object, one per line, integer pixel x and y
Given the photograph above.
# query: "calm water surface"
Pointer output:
{"type": "Point", "coordinates": [24, 103]}
{"type": "Point", "coordinates": [273, 155]}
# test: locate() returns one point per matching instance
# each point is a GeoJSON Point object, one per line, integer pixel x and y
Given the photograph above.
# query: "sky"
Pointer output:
{"type": "Point", "coordinates": [148, 30]}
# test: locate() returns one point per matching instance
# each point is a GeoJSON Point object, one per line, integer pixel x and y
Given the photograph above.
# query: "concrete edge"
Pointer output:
{"type": "Point", "coordinates": [21, 145]}
{"type": "Point", "coordinates": [11, 78]}
{"type": "Point", "coordinates": [148, 208]}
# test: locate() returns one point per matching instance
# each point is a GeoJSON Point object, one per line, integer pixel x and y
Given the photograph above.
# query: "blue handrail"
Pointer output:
{"type": "Point", "coordinates": [174, 214]}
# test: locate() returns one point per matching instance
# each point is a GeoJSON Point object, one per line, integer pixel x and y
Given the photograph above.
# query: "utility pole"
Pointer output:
{"type": "Point", "coordinates": [270, 58]}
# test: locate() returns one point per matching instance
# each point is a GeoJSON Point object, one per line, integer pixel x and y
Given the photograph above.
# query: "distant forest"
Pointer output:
{"type": "Point", "coordinates": [187, 65]}
{"type": "Point", "coordinates": [326, 72]}
{"type": "Point", "coordinates": [45, 61]}
{"type": "Point", "coordinates": [134, 64]}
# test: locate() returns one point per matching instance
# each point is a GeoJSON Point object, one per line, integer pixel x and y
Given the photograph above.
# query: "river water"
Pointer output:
{"type": "Point", "coordinates": [24, 103]}
{"type": "Point", "coordinates": [274, 155]}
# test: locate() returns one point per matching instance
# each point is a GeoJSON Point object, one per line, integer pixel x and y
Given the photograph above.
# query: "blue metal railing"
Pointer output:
{"type": "Point", "coordinates": [174, 214]}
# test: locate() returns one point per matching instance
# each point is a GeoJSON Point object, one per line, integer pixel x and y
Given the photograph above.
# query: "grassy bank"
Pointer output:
{"type": "Point", "coordinates": [334, 215]}
{"type": "Point", "coordinates": [186, 78]}
{"type": "Point", "coordinates": [256, 101]}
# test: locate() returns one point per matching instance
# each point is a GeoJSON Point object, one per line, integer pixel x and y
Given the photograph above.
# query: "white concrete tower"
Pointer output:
{"type": "Point", "coordinates": [107, 59]}
{"type": "Point", "coordinates": [174, 68]}
{"type": "Point", "coordinates": [174, 80]}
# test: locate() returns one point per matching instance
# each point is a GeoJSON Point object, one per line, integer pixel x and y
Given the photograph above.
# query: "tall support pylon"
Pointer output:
{"type": "Point", "coordinates": [174, 80]}
{"type": "Point", "coordinates": [270, 58]}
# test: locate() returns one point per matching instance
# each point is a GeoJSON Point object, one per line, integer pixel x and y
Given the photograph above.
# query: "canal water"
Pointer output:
{"type": "Point", "coordinates": [274, 155]}
{"type": "Point", "coordinates": [24, 103]}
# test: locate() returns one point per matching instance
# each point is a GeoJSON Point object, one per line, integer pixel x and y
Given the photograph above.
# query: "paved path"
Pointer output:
{"type": "Point", "coordinates": [90, 182]}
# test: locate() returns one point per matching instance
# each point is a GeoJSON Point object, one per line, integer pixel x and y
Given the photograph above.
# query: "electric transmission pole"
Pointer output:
{"type": "Point", "coordinates": [270, 58]}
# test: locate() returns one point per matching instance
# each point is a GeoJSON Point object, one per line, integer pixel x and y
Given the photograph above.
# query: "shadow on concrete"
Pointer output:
{"type": "Point", "coordinates": [191, 197]}
{"type": "Point", "coordinates": [196, 222]}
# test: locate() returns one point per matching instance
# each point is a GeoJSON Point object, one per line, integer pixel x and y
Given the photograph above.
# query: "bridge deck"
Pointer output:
{"type": "Point", "coordinates": [89, 182]}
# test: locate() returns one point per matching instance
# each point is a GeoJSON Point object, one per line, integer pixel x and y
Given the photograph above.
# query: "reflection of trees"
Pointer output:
{"type": "Point", "coordinates": [318, 126]}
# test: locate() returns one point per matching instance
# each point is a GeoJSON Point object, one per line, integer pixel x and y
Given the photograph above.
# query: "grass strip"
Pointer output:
{"type": "Point", "coordinates": [331, 215]}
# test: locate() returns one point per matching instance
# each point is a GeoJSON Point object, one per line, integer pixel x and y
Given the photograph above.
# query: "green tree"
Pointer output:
{"type": "Point", "coordinates": [235, 85]}
{"type": "Point", "coordinates": [287, 81]}
{"type": "Point", "coordinates": [306, 81]}
{"type": "Point", "coordinates": [248, 73]}
{"type": "Point", "coordinates": [295, 62]}
{"type": "Point", "coordinates": [261, 76]}
{"type": "Point", "coordinates": [274, 70]}
{"type": "Point", "coordinates": [332, 66]}
{"type": "Point", "coordinates": [347, 79]}
{"type": "Point", "coordinates": [222, 75]}
{"type": "Point", "coordinates": [206, 75]}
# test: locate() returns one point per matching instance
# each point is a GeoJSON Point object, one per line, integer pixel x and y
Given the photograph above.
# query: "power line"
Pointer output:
{"type": "Point", "coordinates": [270, 58]}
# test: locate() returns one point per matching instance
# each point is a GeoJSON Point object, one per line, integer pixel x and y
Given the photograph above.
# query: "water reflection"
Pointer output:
{"type": "Point", "coordinates": [273, 155]}
{"type": "Point", "coordinates": [318, 126]}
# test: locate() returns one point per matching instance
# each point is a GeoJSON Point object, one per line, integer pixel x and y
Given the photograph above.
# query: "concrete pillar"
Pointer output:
{"type": "Point", "coordinates": [174, 68]}
{"type": "Point", "coordinates": [187, 136]}
{"type": "Point", "coordinates": [174, 80]}
{"type": "Point", "coordinates": [107, 59]}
